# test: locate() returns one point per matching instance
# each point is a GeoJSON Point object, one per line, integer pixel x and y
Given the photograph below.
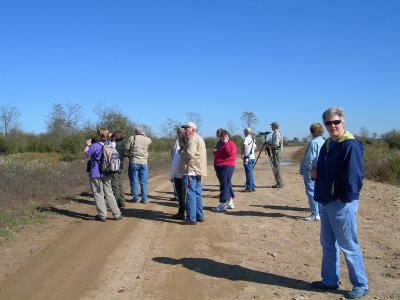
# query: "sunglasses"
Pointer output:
{"type": "Point", "coordinates": [330, 123]}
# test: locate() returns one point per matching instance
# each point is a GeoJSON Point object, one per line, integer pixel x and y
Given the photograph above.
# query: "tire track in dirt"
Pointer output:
{"type": "Point", "coordinates": [68, 268]}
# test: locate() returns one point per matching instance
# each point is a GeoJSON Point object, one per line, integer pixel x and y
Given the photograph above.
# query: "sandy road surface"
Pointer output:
{"type": "Point", "coordinates": [262, 249]}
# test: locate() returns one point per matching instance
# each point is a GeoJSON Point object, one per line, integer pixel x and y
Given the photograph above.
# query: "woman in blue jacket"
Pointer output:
{"type": "Point", "coordinates": [339, 175]}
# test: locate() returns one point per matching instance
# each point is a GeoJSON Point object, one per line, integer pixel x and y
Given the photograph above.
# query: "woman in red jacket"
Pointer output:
{"type": "Point", "coordinates": [224, 164]}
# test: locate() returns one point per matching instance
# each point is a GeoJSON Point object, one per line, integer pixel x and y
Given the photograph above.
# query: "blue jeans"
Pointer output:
{"type": "Point", "coordinates": [138, 173]}
{"type": "Point", "coordinates": [248, 169]}
{"type": "Point", "coordinates": [309, 186]}
{"type": "Point", "coordinates": [339, 231]}
{"type": "Point", "coordinates": [224, 174]}
{"type": "Point", "coordinates": [193, 189]}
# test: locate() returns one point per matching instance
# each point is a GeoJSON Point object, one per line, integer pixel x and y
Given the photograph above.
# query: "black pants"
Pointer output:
{"type": "Point", "coordinates": [179, 189]}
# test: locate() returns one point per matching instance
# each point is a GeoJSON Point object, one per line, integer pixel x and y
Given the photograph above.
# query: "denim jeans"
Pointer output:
{"type": "Point", "coordinates": [248, 169]}
{"type": "Point", "coordinates": [224, 174]}
{"type": "Point", "coordinates": [339, 231]}
{"type": "Point", "coordinates": [138, 173]}
{"type": "Point", "coordinates": [193, 190]}
{"type": "Point", "coordinates": [309, 186]}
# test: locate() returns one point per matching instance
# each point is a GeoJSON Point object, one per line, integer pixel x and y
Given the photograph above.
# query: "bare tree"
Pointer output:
{"type": "Point", "coordinates": [113, 119]}
{"type": "Point", "coordinates": [169, 128]}
{"type": "Point", "coordinates": [196, 118]}
{"type": "Point", "coordinates": [232, 128]}
{"type": "Point", "coordinates": [364, 133]}
{"type": "Point", "coordinates": [249, 119]}
{"type": "Point", "coordinates": [65, 119]}
{"type": "Point", "coordinates": [9, 119]}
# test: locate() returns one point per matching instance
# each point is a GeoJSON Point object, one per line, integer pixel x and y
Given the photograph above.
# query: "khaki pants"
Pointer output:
{"type": "Point", "coordinates": [103, 194]}
{"type": "Point", "coordinates": [276, 166]}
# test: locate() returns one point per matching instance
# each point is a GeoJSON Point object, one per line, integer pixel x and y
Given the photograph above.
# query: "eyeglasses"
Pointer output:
{"type": "Point", "coordinates": [335, 122]}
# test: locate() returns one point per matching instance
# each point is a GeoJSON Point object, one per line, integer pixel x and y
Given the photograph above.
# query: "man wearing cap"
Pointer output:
{"type": "Point", "coordinates": [193, 166]}
{"type": "Point", "coordinates": [247, 154]}
{"type": "Point", "coordinates": [276, 151]}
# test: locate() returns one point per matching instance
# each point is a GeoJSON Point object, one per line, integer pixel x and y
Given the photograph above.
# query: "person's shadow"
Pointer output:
{"type": "Point", "coordinates": [213, 268]}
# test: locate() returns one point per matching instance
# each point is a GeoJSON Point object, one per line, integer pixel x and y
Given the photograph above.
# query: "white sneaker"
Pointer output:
{"type": "Point", "coordinates": [312, 218]}
{"type": "Point", "coordinates": [230, 204]}
{"type": "Point", "coordinates": [220, 208]}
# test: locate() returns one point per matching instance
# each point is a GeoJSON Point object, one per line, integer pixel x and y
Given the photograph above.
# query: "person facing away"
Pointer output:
{"type": "Point", "coordinates": [116, 181]}
{"type": "Point", "coordinates": [100, 182]}
{"type": "Point", "coordinates": [180, 132]}
{"type": "Point", "coordinates": [175, 176]}
{"type": "Point", "coordinates": [224, 164]}
{"type": "Point", "coordinates": [276, 153]}
{"type": "Point", "coordinates": [137, 147]}
{"type": "Point", "coordinates": [193, 166]}
{"type": "Point", "coordinates": [338, 181]}
{"type": "Point", "coordinates": [309, 161]}
{"type": "Point", "coordinates": [247, 154]}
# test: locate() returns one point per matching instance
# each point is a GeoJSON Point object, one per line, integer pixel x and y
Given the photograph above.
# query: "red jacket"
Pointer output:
{"type": "Point", "coordinates": [225, 155]}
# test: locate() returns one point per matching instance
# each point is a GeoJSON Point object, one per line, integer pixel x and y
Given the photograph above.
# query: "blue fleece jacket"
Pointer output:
{"type": "Point", "coordinates": [340, 170]}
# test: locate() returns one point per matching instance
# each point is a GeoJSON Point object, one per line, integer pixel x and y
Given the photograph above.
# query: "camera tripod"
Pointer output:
{"type": "Point", "coordinates": [267, 150]}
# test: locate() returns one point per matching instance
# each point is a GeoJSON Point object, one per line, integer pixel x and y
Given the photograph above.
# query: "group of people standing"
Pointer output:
{"type": "Point", "coordinates": [332, 171]}
{"type": "Point", "coordinates": [107, 187]}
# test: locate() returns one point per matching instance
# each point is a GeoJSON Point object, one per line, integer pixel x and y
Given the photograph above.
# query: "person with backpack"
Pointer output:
{"type": "Point", "coordinates": [116, 181]}
{"type": "Point", "coordinates": [100, 179]}
{"type": "Point", "coordinates": [137, 146]}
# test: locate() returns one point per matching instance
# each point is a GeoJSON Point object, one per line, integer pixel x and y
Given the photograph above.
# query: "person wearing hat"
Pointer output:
{"type": "Point", "coordinates": [276, 151]}
{"type": "Point", "coordinates": [247, 154]}
{"type": "Point", "coordinates": [137, 146]}
{"type": "Point", "coordinates": [192, 166]}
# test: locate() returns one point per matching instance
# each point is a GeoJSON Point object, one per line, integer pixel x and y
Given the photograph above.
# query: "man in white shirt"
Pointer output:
{"type": "Point", "coordinates": [247, 154]}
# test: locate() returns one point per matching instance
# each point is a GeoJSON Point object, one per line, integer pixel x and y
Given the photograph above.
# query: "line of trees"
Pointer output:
{"type": "Point", "coordinates": [66, 128]}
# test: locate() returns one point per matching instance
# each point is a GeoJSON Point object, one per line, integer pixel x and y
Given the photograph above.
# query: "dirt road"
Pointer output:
{"type": "Point", "coordinates": [262, 249]}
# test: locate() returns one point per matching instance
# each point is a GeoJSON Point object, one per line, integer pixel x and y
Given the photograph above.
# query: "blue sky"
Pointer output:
{"type": "Point", "coordinates": [283, 60]}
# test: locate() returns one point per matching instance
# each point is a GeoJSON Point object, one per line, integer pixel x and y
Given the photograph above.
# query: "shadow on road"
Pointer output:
{"type": "Point", "coordinates": [217, 269]}
{"type": "Point", "coordinates": [283, 207]}
{"type": "Point", "coordinates": [242, 213]}
{"type": "Point", "coordinates": [72, 214]}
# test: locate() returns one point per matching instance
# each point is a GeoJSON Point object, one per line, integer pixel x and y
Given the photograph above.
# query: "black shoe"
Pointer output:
{"type": "Point", "coordinates": [247, 191]}
{"type": "Point", "coordinates": [98, 218]}
{"type": "Point", "coordinates": [277, 186]}
{"type": "Point", "coordinates": [178, 216]}
{"type": "Point", "coordinates": [319, 285]}
{"type": "Point", "coordinates": [200, 220]}
{"type": "Point", "coordinates": [186, 222]}
{"type": "Point", "coordinates": [118, 218]}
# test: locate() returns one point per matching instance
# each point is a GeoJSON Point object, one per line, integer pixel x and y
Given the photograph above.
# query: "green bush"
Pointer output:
{"type": "Point", "coordinates": [392, 138]}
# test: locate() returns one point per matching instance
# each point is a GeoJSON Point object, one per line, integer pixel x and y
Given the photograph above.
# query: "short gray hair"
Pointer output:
{"type": "Point", "coordinates": [139, 130]}
{"type": "Point", "coordinates": [334, 111]}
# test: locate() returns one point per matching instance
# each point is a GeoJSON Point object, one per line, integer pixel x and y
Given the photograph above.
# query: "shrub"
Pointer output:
{"type": "Point", "coordinates": [392, 138]}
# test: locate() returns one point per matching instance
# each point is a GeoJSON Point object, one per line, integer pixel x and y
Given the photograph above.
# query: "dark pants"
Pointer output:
{"type": "Point", "coordinates": [224, 174]}
{"type": "Point", "coordinates": [118, 189]}
{"type": "Point", "coordinates": [179, 191]}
